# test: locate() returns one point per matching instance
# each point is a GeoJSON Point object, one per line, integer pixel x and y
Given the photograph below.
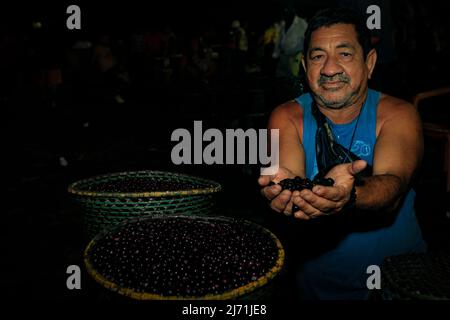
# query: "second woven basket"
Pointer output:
{"type": "Point", "coordinates": [109, 199]}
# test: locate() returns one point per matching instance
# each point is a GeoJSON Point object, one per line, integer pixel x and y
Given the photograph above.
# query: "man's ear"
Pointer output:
{"type": "Point", "coordinates": [303, 62]}
{"type": "Point", "coordinates": [371, 60]}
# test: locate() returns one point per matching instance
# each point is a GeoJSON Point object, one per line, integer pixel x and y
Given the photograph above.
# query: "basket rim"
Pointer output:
{"type": "Point", "coordinates": [75, 190]}
{"type": "Point", "coordinates": [227, 295]}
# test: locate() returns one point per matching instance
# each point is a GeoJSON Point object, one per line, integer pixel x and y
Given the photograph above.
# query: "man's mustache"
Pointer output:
{"type": "Point", "coordinates": [337, 77]}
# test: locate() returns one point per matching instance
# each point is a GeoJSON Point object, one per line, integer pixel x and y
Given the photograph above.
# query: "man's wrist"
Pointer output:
{"type": "Point", "coordinates": [351, 203]}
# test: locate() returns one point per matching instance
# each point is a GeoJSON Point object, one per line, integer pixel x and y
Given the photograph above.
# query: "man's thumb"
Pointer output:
{"type": "Point", "coordinates": [264, 180]}
{"type": "Point", "coordinates": [357, 166]}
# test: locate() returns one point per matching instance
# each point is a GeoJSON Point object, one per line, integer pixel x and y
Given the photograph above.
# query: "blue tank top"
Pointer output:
{"type": "Point", "coordinates": [341, 272]}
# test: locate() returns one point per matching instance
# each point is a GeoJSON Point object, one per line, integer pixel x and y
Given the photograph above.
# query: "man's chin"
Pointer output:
{"type": "Point", "coordinates": [334, 105]}
{"type": "Point", "coordinates": [334, 102]}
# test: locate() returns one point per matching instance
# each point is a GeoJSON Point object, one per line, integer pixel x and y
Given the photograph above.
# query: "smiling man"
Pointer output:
{"type": "Point", "coordinates": [367, 221]}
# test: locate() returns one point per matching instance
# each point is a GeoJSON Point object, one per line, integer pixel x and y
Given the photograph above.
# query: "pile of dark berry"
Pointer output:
{"type": "Point", "coordinates": [141, 184]}
{"type": "Point", "coordinates": [184, 256]}
{"type": "Point", "coordinates": [298, 183]}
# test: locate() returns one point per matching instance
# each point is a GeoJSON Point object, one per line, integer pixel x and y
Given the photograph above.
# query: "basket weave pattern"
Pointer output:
{"type": "Point", "coordinates": [105, 209]}
{"type": "Point", "coordinates": [423, 276]}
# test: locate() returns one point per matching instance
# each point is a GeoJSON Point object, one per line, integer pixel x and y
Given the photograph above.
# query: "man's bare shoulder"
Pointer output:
{"type": "Point", "coordinates": [392, 108]}
{"type": "Point", "coordinates": [288, 111]}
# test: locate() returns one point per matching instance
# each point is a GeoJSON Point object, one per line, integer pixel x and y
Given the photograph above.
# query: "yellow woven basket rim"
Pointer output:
{"type": "Point", "coordinates": [75, 190]}
{"type": "Point", "coordinates": [228, 295]}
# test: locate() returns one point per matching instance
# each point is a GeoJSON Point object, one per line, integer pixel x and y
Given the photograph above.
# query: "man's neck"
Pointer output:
{"type": "Point", "coordinates": [346, 114]}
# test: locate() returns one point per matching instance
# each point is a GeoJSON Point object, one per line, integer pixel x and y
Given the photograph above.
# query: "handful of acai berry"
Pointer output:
{"type": "Point", "coordinates": [298, 183]}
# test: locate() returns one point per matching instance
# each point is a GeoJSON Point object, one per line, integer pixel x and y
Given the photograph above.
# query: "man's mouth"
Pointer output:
{"type": "Point", "coordinates": [332, 84]}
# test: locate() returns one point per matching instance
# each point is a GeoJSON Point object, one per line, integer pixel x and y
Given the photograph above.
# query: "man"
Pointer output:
{"type": "Point", "coordinates": [364, 222]}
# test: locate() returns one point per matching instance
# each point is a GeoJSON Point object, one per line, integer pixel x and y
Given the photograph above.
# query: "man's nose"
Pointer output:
{"type": "Point", "coordinates": [331, 67]}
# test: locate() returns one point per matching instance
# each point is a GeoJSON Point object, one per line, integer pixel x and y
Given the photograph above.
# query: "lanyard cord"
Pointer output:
{"type": "Point", "coordinates": [354, 131]}
{"type": "Point", "coordinates": [328, 151]}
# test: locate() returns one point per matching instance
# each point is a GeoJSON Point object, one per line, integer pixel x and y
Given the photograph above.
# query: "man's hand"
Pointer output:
{"type": "Point", "coordinates": [322, 200]}
{"type": "Point", "coordinates": [280, 201]}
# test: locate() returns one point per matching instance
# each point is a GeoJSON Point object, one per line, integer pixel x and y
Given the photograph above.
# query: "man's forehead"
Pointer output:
{"type": "Point", "coordinates": [345, 33]}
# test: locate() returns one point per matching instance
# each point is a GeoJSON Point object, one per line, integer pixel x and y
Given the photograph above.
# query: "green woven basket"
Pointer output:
{"type": "Point", "coordinates": [421, 276]}
{"type": "Point", "coordinates": [255, 289]}
{"type": "Point", "coordinates": [106, 203]}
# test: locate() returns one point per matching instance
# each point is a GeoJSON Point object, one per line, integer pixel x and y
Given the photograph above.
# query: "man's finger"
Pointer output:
{"type": "Point", "coordinates": [271, 192]}
{"type": "Point", "coordinates": [301, 215]}
{"type": "Point", "coordinates": [304, 206]}
{"type": "Point", "coordinates": [318, 203]}
{"type": "Point", "coordinates": [265, 180]}
{"type": "Point", "coordinates": [330, 193]}
{"type": "Point", "coordinates": [280, 202]}
{"type": "Point", "coordinates": [357, 166]}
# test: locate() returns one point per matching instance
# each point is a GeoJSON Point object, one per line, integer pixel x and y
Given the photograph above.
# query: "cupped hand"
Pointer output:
{"type": "Point", "coordinates": [280, 200]}
{"type": "Point", "coordinates": [322, 200]}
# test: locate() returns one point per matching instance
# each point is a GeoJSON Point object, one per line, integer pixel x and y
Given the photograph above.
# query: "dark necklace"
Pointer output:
{"type": "Point", "coordinates": [354, 130]}
{"type": "Point", "coordinates": [328, 151]}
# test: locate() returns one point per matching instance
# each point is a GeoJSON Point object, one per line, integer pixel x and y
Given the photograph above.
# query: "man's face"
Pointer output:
{"type": "Point", "coordinates": [335, 66]}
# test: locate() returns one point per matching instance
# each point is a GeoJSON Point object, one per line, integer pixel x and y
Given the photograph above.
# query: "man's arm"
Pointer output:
{"type": "Point", "coordinates": [397, 155]}
{"type": "Point", "coordinates": [288, 119]}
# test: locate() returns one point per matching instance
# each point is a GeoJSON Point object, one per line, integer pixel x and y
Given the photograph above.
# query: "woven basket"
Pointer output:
{"type": "Point", "coordinates": [424, 276]}
{"type": "Point", "coordinates": [258, 289]}
{"type": "Point", "coordinates": [105, 209]}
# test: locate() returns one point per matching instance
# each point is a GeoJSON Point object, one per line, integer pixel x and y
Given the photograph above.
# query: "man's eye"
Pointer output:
{"type": "Point", "coordinates": [346, 54]}
{"type": "Point", "coordinates": [316, 57]}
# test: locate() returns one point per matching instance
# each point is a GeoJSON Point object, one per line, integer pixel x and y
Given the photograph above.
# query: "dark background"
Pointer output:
{"type": "Point", "coordinates": [45, 119]}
